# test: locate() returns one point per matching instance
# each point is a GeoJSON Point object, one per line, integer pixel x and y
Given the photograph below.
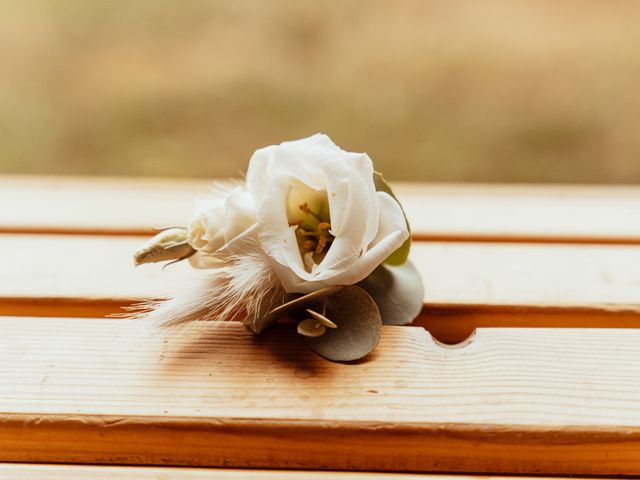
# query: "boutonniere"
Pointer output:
{"type": "Point", "coordinates": [313, 234]}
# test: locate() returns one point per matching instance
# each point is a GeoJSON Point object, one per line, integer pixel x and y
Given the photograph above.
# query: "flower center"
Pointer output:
{"type": "Point", "coordinates": [308, 209]}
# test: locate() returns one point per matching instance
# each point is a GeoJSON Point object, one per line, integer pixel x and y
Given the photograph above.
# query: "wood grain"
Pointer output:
{"type": "Point", "coordinates": [438, 212]}
{"type": "Point", "coordinates": [467, 285]}
{"type": "Point", "coordinates": [95, 205]}
{"type": "Point", "coordinates": [523, 213]}
{"type": "Point", "coordinates": [21, 471]}
{"type": "Point", "coordinates": [516, 401]}
{"type": "Point", "coordinates": [18, 471]}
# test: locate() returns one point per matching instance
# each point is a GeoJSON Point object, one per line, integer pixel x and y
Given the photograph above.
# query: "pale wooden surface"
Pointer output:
{"type": "Point", "coordinates": [437, 211]}
{"type": "Point", "coordinates": [537, 401]}
{"type": "Point", "coordinates": [80, 268]}
{"type": "Point", "coordinates": [95, 204]}
{"type": "Point", "coordinates": [538, 213]}
{"type": "Point", "coordinates": [530, 401]}
{"type": "Point", "coordinates": [21, 471]}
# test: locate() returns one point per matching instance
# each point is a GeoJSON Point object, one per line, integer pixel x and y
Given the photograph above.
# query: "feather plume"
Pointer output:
{"type": "Point", "coordinates": [243, 286]}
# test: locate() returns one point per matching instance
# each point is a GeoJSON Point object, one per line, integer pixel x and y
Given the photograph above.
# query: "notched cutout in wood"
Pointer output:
{"type": "Point", "coordinates": [454, 346]}
{"type": "Point", "coordinates": [453, 324]}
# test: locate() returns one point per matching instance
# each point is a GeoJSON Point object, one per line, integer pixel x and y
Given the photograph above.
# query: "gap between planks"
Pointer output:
{"type": "Point", "coordinates": [513, 401]}
{"type": "Point", "coordinates": [450, 324]}
{"type": "Point", "coordinates": [415, 236]}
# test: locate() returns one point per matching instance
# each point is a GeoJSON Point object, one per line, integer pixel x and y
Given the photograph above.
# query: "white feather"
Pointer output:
{"type": "Point", "coordinates": [243, 287]}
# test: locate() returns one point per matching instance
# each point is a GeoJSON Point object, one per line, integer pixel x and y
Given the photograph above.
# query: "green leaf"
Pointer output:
{"type": "Point", "coordinates": [399, 256]}
{"type": "Point", "coordinates": [398, 292]}
{"type": "Point", "coordinates": [359, 326]}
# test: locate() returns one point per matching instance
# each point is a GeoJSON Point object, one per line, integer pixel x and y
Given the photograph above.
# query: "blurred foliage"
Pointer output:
{"type": "Point", "coordinates": [535, 90]}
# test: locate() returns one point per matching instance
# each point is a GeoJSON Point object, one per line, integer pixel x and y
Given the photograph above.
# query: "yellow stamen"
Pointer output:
{"type": "Point", "coordinates": [322, 242]}
{"type": "Point", "coordinates": [305, 208]}
{"type": "Point", "coordinates": [313, 236]}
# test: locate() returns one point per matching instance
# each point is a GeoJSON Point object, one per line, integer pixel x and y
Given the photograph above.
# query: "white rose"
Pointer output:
{"type": "Point", "coordinates": [319, 217]}
{"type": "Point", "coordinates": [218, 221]}
{"type": "Point", "coordinates": [206, 231]}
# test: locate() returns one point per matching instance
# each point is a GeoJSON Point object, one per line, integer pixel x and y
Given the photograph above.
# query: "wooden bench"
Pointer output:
{"type": "Point", "coordinates": [533, 398]}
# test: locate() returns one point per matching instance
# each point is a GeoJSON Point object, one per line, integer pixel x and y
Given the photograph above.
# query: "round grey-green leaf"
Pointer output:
{"type": "Point", "coordinates": [359, 326]}
{"type": "Point", "coordinates": [398, 292]}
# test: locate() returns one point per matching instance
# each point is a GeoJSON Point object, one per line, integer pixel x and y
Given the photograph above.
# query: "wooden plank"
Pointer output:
{"type": "Point", "coordinates": [95, 205]}
{"type": "Point", "coordinates": [22, 471]}
{"type": "Point", "coordinates": [467, 285]}
{"type": "Point", "coordinates": [515, 401]}
{"type": "Point", "coordinates": [521, 213]}
{"type": "Point", "coordinates": [454, 273]}
{"type": "Point", "coordinates": [438, 212]}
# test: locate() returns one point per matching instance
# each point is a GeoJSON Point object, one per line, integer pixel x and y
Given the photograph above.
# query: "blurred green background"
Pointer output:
{"type": "Point", "coordinates": [432, 90]}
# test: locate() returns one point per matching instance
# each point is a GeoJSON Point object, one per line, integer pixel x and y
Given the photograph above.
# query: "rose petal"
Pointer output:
{"type": "Point", "coordinates": [352, 224]}
{"type": "Point", "coordinates": [302, 159]}
{"type": "Point", "coordinates": [240, 213]}
{"type": "Point", "coordinates": [364, 236]}
{"type": "Point", "coordinates": [276, 237]}
{"type": "Point", "coordinates": [392, 233]}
